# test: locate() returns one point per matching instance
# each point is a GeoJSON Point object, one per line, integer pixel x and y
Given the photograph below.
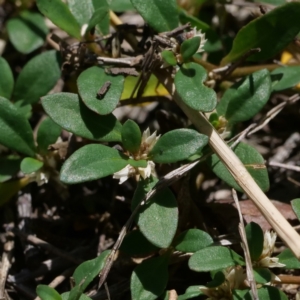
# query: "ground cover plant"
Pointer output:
{"type": "Point", "coordinates": [149, 149]}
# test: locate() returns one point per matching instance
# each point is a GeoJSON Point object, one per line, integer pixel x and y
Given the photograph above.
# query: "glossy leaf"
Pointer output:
{"type": "Point", "coordinates": [71, 114]}
{"type": "Point", "coordinates": [177, 145]}
{"type": "Point", "coordinates": [285, 77]}
{"type": "Point", "coordinates": [46, 292]}
{"type": "Point", "coordinates": [159, 14]}
{"type": "Point", "coordinates": [27, 32]}
{"type": "Point", "coordinates": [246, 98]}
{"type": "Point", "coordinates": [214, 258]}
{"type": "Point", "coordinates": [7, 79]}
{"type": "Point", "coordinates": [30, 165]}
{"type": "Point", "coordinates": [296, 207]}
{"type": "Point", "coordinates": [289, 259]}
{"type": "Point", "coordinates": [271, 33]}
{"type": "Point", "coordinates": [262, 275]}
{"type": "Point", "coordinates": [131, 136]}
{"type": "Point", "coordinates": [192, 240]}
{"type": "Point", "coordinates": [191, 292]}
{"type": "Point", "coordinates": [91, 81]}
{"type": "Point", "coordinates": [189, 47]}
{"type": "Point", "coordinates": [88, 270]}
{"type": "Point", "coordinates": [169, 57]}
{"type": "Point", "coordinates": [253, 161]}
{"type": "Point", "coordinates": [58, 12]}
{"type": "Point", "coordinates": [189, 85]}
{"type": "Point", "coordinates": [92, 162]}
{"type": "Point", "coordinates": [15, 131]}
{"type": "Point", "coordinates": [37, 77]}
{"type": "Point", "coordinates": [149, 279]}
{"type": "Point", "coordinates": [9, 166]}
{"type": "Point", "coordinates": [48, 133]}
{"type": "Point", "coordinates": [255, 240]}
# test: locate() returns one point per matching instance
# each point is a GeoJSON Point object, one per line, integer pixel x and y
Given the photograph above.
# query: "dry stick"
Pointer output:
{"type": "Point", "coordinates": [237, 170]}
{"type": "Point", "coordinates": [244, 243]}
{"type": "Point", "coordinates": [285, 166]}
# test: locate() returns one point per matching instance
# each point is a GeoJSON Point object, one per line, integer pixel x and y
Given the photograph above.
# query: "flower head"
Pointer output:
{"type": "Point", "coordinates": [194, 33]}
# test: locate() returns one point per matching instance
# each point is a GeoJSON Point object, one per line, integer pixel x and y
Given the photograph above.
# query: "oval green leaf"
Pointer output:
{"type": "Point", "coordinates": [30, 165]}
{"type": "Point", "coordinates": [131, 136]}
{"type": "Point", "coordinates": [67, 295]}
{"type": "Point", "coordinates": [37, 77]}
{"type": "Point", "coordinates": [92, 162]}
{"type": "Point", "coordinates": [58, 12]}
{"type": "Point", "coordinates": [246, 98]}
{"type": "Point", "coordinates": [70, 113]}
{"type": "Point", "coordinates": [9, 166]}
{"type": "Point", "coordinates": [7, 79]}
{"type": "Point", "coordinates": [15, 131]}
{"type": "Point", "coordinates": [192, 240]}
{"type": "Point", "coordinates": [46, 292]}
{"type": "Point", "coordinates": [27, 32]}
{"type": "Point", "coordinates": [262, 275]}
{"type": "Point", "coordinates": [271, 33]}
{"type": "Point", "coordinates": [159, 14]}
{"type": "Point", "coordinates": [296, 207]}
{"type": "Point", "coordinates": [189, 47]}
{"type": "Point", "coordinates": [192, 291]}
{"type": "Point", "coordinates": [285, 77]}
{"type": "Point", "coordinates": [169, 57]}
{"type": "Point", "coordinates": [253, 161]}
{"type": "Point", "coordinates": [120, 5]}
{"type": "Point", "coordinates": [255, 240]}
{"type": "Point", "coordinates": [289, 259]}
{"type": "Point", "coordinates": [101, 18]}
{"type": "Point", "coordinates": [189, 85]}
{"type": "Point", "coordinates": [91, 81]}
{"type": "Point", "coordinates": [270, 293]}
{"type": "Point", "coordinates": [214, 258]}
{"type": "Point", "coordinates": [149, 279]}
{"type": "Point", "coordinates": [177, 145]}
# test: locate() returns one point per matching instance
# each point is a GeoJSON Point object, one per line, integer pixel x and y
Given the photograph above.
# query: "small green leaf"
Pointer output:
{"type": "Point", "coordinates": [149, 279]}
{"type": "Point", "coordinates": [9, 166]}
{"type": "Point", "coordinates": [91, 81]}
{"type": "Point", "coordinates": [246, 98]}
{"type": "Point", "coordinates": [25, 109]}
{"type": "Point", "coordinates": [192, 291]}
{"type": "Point", "coordinates": [285, 77]}
{"type": "Point", "coordinates": [131, 136]}
{"type": "Point", "coordinates": [159, 14]}
{"type": "Point", "coordinates": [88, 270]}
{"type": "Point", "coordinates": [218, 278]}
{"type": "Point", "coordinates": [37, 77]}
{"type": "Point", "coordinates": [242, 295]}
{"type": "Point", "coordinates": [71, 114]}
{"type": "Point", "coordinates": [255, 239]}
{"type": "Point", "coordinates": [189, 85]}
{"type": "Point", "coordinates": [48, 133]}
{"type": "Point", "coordinates": [27, 32]}
{"type": "Point", "coordinates": [15, 131]}
{"type": "Point", "coordinates": [270, 293]}
{"type": "Point", "coordinates": [214, 258]}
{"type": "Point", "coordinates": [7, 79]}
{"type": "Point", "coordinates": [296, 207]}
{"type": "Point", "coordinates": [289, 259]}
{"type": "Point", "coordinates": [192, 240]}
{"type": "Point", "coordinates": [189, 47]}
{"type": "Point", "coordinates": [46, 292]}
{"type": "Point", "coordinates": [252, 160]}
{"type": "Point", "coordinates": [262, 275]}
{"type": "Point", "coordinates": [30, 165]}
{"type": "Point", "coordinates": [65, 296]}
{"type": "Point", "coordinates": [169, 57]}
{"type": "Point", "coordinates": [101, 18]}
{"type": "Point", "coordinates": [59, 13]}
{"type": "Point", "coordinates": [137, 163]}
{"type": "Point", "coordinates": [271, 33]}
{"type": "Point", "coordinates": [120, 5]}
{"type": "Point", "coordinates": [177, 145]}
{"type": "Point", "coordinates": [92, 162]}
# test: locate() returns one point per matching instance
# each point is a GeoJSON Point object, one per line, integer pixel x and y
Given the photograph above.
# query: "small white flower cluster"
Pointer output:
{"type": "Point", "coordinates": [194, 33]}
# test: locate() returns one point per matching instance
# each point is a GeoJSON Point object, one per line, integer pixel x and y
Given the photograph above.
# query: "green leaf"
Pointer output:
{"type": "Point", "coordinates": [285, 77]}
{"type": "Point", "coordinates": [149, 279]}
{"type": "Point", "coordinates": [7, 79]}
{"type": "Point", "coordinates": [189, 85]}
{"type": "Point", "coordinates": [246, 98]}
{"type": "Point", "coordinates": [27, 32]}
{"type": "Point", "coordinates": [159, 14]}
{"type": "Point", "coordinates": [88, 270]}
{"type": "Point", "coordinates": [25, 109]}
{"type": "Point", "coordinates": [59, 13]}
{"type": "Point", "coordinates": [137, 163]}
{"type": "Point", "coordinates": [46, 292]}
{"type": "Point", "coordinates": [169, 57]}
{"type": "Point", "coordinates": [100, 17]}
{"type": "Point", "coordinates": [176, 145]}
{"type": "Point", "coordinates": [9, 166]}
{"type": "Point", "coordinates": [135, 244]}
{"type": "Point", "coordinates": [252, 160]}
{"type": "Point", "coordinates": [262, 275]}
{"type": "Point", "coordinates": [270, 293]}
{"type": "Point", "coordinates": [65, 296]}
{"type": "Point", "coordinates": [192, 291]}
{"type": "Point", "coordinates": [217, 279]}
{"type": "Point", "coordinates": [30, 165]}
{"type": "Point", "coordinates": [120, 5]}
{"type": "Point", "coordinates": [214, 258]}
{"type": "Point", "coordinates": [296, 207]}
{"type": "Point", "coordinates": [48, 133]}
{"type": "Point", "coordinates": [71, 114]}
{"type": "Point", "coordinates": [37, 77]}
{"type": "Point", "coordinates": [289, 259]}
{"type": "Point", "coordinates": [15, 131]}
{"type": "Point", "coordinates": [189, 47]}
{"type": "Point", "coordinates": [91, 81]}
{"type": "Point", "coordinates": [92, 162]}
{"type": "Point", "coordinates": [131, 136]}
{"type": "Point", "coordinates": [242, 295]}
{"type": "Point", "coordinates": [192, 240]}
{"type": "Point", "coordinates": [271, 33]}
{"type": "Point", "coordinates": [255, 240]}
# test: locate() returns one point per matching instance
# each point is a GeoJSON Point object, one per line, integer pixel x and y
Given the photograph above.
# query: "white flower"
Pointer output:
{"type": "Point", "coordinates": [193, 33]}
{"type": "Point", "coordinates": [124, 174]}
{"type": "Point", "coordinates": [39, 177]}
